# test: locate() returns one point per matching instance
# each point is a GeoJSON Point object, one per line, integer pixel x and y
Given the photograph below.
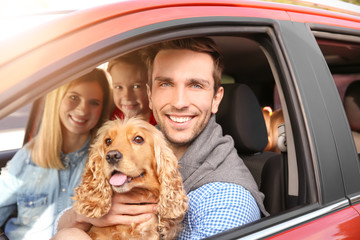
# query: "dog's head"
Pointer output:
{"type": "Point", "coordinates": [127, 155]}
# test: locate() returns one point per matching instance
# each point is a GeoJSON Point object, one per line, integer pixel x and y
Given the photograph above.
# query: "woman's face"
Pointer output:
{"type": "Point", "coordinates": [81, 108]}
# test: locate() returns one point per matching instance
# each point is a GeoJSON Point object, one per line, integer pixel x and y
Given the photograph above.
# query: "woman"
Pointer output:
{"type": "Point", "coordinates": [40, 178]}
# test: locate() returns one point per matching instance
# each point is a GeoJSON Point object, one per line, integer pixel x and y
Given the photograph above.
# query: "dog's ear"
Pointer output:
{"type": "Point", "coordinates": [172, 200]}
{"type": "Point", "coordinates": [93, 195]}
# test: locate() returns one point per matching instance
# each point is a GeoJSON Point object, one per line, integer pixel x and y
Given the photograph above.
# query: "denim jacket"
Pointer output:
{"type": "Point", "coordinates": [40, 194]}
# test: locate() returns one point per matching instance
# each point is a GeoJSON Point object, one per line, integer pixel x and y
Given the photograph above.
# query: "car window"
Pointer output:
{"type": "Point", "coordinates": [12, 129]}
{"type": "Point", "coordinates": [250, 60]}
{"type": "Point", "coordinates": [252, 57]}
{"type": "Point", "coordinates": [342, 55]}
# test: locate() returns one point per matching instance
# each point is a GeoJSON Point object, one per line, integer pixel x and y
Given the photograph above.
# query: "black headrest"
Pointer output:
{"type": "Point", "coordinates": [241, 117]}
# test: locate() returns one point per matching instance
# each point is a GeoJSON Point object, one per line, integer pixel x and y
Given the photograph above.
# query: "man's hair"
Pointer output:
{"type": "Point", "coordinates": [196, 44]}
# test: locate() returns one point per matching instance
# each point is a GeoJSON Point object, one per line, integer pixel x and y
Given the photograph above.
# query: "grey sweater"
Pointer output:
{"type": "Point", "coordinates": [212, 157]}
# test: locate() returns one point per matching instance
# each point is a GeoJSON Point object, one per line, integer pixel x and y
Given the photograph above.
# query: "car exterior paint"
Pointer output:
{"type": "Point", "coordinates": [340, 225]}
{"type": "Point", "coordinates": [68, 46]}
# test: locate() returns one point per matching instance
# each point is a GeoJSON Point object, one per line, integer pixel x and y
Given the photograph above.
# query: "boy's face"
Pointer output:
{"type": "Point", "coordinates": [129, 85]}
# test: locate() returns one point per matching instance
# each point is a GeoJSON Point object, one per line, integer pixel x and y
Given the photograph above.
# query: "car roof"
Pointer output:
{"type": "Point", "coordinates": [83, 18]}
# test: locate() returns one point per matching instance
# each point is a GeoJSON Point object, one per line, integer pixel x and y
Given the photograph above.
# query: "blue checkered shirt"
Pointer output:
{"type": "Point", "coordinates": [216, 207]}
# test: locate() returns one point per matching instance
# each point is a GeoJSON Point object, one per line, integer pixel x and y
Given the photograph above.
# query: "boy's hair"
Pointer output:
{"type": "Point", "coordinates": [47, 145]}
{"type": "Point", "coordinates": [196, 44]}
{"type": "Point", "coordinates": [133, 58]}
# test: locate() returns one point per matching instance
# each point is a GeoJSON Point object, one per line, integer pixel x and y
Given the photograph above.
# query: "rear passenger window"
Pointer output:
{"type": "Point", "coordinates": [342, 54]}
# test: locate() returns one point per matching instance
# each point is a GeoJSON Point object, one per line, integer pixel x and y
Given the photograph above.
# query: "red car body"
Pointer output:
{"type": "Point", "coordinates": [66, 47]}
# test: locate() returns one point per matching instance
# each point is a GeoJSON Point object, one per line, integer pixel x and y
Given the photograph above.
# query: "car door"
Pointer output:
{"type": "Point", "coordinates": [320, 154]}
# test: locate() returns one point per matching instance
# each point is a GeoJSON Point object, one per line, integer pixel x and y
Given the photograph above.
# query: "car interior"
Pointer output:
{"type": "Point", "coordinates": [241, 116]}
{"type": "Point", "coordinates": [252, 81]}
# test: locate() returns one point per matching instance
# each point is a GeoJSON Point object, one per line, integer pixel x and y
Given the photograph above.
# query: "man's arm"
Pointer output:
{"type": "Point", "coordinates": [217, 207]}
{"type": "Point", "coordinates": [124, 210]}
{"type": "Point", "coordinates": [70, 219]}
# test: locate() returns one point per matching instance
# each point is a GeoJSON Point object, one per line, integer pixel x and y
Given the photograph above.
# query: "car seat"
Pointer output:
{"type": "Point", "coordinates": [240, 116]}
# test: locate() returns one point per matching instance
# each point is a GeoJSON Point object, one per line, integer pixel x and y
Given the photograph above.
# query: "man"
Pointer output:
{"type": "Point", "coordinates": [184, 93]}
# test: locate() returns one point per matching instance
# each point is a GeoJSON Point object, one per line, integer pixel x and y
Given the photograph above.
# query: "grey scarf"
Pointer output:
{"type": "Point", "coordinates": [212, 157]}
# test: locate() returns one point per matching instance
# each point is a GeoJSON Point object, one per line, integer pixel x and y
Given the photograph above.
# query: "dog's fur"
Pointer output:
{"type": "Point", "coordinates": [151, 169]}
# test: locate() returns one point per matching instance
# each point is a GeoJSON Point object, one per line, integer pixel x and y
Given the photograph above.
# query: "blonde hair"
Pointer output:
{"type": "Point", "coordinates": [47, 145]}
{"type": "Point", "coordinates": [132, 58]}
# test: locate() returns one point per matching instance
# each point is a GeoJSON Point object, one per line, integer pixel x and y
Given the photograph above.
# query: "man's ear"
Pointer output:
{"type": "Point", "coordinates": [217, 99]}
{"type": "Point", "coordinates": [148, 91]}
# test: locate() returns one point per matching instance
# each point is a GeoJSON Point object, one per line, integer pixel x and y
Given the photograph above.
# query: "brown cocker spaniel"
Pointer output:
{"type": "Point", "coordinates": [132, 156]}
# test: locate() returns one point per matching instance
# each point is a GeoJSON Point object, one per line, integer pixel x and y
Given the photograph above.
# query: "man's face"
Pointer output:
{"type": "Point", "coordinates": [182, 96]}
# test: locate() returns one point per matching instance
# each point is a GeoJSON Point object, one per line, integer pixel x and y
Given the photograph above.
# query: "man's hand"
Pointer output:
{"type": "Point", "coordinates": [126, 208]}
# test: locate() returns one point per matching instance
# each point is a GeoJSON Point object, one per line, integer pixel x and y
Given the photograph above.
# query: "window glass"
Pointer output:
{"type": "Point", "coordinates": [343, 59]}
{"type": "Point", "coordinates": [12, 129]}
{"type": "Point", "coordinates": [251, 61]}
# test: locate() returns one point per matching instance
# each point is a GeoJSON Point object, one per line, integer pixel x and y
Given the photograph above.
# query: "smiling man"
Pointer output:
{"type": "Point", "coordinates": [182, 95]}
{"type": "Point", "coordinates": [184, 90]}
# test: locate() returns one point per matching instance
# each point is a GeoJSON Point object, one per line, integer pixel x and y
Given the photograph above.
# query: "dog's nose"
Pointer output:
{"type": "Point", "coordinates": [113, 157]}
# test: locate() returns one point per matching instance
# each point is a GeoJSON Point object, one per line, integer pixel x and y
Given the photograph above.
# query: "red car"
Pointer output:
{"type": "Point", "coordinates": [296, 59]}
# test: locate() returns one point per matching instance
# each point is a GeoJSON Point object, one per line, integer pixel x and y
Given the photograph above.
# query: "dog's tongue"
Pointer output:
{"type": "Point", "coordinates": [118, 179]}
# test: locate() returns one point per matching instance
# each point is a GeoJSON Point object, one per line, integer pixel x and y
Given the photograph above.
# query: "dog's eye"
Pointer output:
{"type": "Point", "coordinates": [108, 141]}
{"type": "Point", "coordinates": [138, 140]}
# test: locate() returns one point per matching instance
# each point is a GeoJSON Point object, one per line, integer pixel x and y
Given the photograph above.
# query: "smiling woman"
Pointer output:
{"type": "Point", "coordinates": [55, 156]}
